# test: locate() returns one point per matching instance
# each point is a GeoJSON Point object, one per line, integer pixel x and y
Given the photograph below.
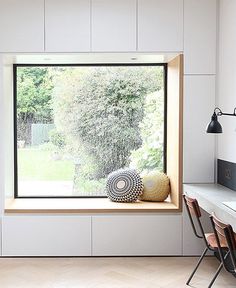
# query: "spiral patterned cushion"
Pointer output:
{"type": "Point", "coordinates": [124, 185]}
{"type": "Point", "coordinates": [156, 186]}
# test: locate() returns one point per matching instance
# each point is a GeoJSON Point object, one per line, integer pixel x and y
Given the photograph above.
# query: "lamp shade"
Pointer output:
{"type": "Point", "coordinates": [214, 126]}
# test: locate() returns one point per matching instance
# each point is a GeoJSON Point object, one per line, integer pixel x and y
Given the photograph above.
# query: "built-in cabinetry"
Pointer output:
{"type": "Point", "coordinates": [22, 26]}
{"type": "Point", "coordinates": [67, 25]}
{"type": "Point", "coordinates": [27, 235]}
{"type": "Point", "coordinates": [199, 146]}
{"type": "Point", "coordinates": [97, 235]}
{"type": "Point", "coordinates": [137, 235]}
{"type": "Point", "coordinates": [200, 36]}
{"type": "Point", "coordinates": [160, 25]}
{"type": "Point", "coordinates": [113, 25]}
{"type": "Point", "coordinates": [116, 26]}
{"type": "Point", "coordinates": [0, 236]}
{"type": "Point", "coordinates": [199, 89]}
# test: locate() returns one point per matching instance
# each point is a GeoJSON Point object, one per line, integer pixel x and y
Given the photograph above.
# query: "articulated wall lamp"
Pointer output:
{"type": "Point", "coordinates": [214, 126]}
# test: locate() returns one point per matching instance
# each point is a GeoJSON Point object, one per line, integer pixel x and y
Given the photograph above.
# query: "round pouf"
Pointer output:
{"type": "Point", "coordinates": [156, 187]}
{"type": "Point", "coordinates": [124, 185]}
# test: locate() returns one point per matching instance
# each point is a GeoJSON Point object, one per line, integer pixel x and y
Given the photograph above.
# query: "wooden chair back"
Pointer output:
{"type": "Point", "coordinates": [192, 206]}
{"type": "Point", "coordinates": [193, 210]}
{"type": "Point", "coordinates": [225, 235]}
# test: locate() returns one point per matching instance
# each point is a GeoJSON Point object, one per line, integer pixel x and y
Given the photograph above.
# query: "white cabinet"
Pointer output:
{"type": "Point", "coordinates": [0, 236]}
{"type": "Point", "coordinates": [199, 147]}
{"type": "Point", "coordinates": [46, 235]}
{"type": "Point", "coordinates": [67, 25]}
{"type": "Point", "coordinates": [200, 36]}
{"type": "Point", "coordinates": [22, 26]}
{"type": "Point", "coordinates": [116, 235]}
{"type": "Point", "coordinates": [160, 25]}
{"type": "Point", "coordinates": [113, 25]}
{"type": "Point", "coordinates": [2, 144]}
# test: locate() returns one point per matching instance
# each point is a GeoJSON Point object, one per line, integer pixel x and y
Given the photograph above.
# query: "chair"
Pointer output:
{"type": "Point", "coordinates": [209, 239]}
{"type": "Point", "coordinates": [225, 237]}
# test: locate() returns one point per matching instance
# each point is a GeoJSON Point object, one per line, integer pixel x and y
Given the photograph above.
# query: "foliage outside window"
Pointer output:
{"type": "Point", "coordinates": [77, 124]}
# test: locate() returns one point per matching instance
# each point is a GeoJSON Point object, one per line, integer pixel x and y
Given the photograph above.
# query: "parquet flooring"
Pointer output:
{"type": "Point", "coordinates": [111, 272]}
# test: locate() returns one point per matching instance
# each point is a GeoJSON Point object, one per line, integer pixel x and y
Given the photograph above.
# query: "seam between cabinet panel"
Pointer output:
{"type": "Point", "coordinates": [136, 25]}
{"type": "Point", "coordinates": [91, 236]}
{"type": "Point", "coordinates": [183, 24]}
{"type": "Point", "coordinates": [90, 23]}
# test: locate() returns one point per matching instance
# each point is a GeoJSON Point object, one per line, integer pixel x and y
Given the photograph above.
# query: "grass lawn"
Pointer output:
{"type": "Point", "coordinates": [37, 164]}
{"type": "Point", "coordinates": [85, 187]}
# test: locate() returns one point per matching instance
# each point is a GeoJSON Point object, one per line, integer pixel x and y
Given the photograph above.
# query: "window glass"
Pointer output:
{"type": "Point", "coordinates": [76, 124]}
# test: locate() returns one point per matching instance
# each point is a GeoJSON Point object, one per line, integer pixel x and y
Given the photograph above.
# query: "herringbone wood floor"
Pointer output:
{"type": "Point", "coordinates": [117, 272]}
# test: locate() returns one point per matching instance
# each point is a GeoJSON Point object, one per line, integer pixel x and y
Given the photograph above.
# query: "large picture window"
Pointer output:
{"type": "Point", "coordinates": [75, 124]}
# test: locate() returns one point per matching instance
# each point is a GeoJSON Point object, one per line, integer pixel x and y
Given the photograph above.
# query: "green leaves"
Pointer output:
{"type": "Point", "coordinates": [34, 92]}
{"type": "Point", "coordinates": [150, 155]}
{"type": "Point", "coordinates": [101, 110]}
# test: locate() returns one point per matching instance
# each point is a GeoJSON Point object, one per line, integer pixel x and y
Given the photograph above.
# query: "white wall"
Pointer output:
{"type": "Point", "coordinates": [150, 31]}
{"type": "Point", "coordinates": [226, 92]}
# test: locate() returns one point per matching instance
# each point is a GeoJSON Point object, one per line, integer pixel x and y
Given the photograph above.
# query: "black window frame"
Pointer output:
{"type": "Point", "coordinates": [15, 66]}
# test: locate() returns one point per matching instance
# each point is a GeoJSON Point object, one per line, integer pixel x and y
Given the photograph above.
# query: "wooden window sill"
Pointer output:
{"type": "Point", "coordinates": [102, 205]}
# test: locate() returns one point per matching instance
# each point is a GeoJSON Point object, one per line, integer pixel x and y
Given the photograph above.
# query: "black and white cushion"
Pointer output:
{"type": "Point", "coordinates": [124, 185]}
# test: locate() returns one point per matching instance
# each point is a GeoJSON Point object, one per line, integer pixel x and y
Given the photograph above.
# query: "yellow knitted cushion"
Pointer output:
{"type": "Point", "coordinates": [156, 186]}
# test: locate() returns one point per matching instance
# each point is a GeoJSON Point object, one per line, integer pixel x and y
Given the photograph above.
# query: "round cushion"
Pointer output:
{"type": "Point", "coordinates": [124, 185]}
{"type": "Point", "coordinates": [156, 186]}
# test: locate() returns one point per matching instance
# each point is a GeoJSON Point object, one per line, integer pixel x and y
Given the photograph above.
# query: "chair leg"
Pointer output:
{"type": "Point", "coordinates": [218, 271]}
{"type": "Point", "coordinates": [216, 274]}
{"type": "Point", "coordinates": [198, 263]}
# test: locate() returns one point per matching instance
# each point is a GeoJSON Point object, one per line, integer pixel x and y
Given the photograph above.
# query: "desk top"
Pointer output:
{"type": "Point", "coordinates": [211, 197]}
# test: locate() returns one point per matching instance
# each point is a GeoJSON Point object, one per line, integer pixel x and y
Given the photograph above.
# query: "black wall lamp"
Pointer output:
{"type": "Point", "coordinates": [214, 126]}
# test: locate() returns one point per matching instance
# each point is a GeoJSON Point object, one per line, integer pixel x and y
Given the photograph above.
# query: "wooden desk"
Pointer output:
{"type": "Point", "coordinates": [211, 197]}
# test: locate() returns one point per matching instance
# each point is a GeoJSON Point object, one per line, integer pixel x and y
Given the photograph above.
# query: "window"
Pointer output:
{"type": "Point", "coordinates": [75, 124]}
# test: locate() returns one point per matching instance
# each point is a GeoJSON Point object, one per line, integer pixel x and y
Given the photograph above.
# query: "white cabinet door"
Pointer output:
{"type": "Point", "coordinates": [160, 25]}
{"type": "Point", "coordinates": [199, 147]}
{"type": "Point", "coordinates": [1, 236]}
{"type": "Point", "coordinates": [113, 25]}
{"type": "Point", "coordinates": [46, 235]}
{"type": "Point", "coordinates": [200, 36]}
{"type": "Point", "coordinates": [22, 26]}
{"type": "Point", "coordinates": [116, 235]}
{"type": "Point", "coordinates": [67, 25]}
{"type": "Point", "coordinates": [3, 128]}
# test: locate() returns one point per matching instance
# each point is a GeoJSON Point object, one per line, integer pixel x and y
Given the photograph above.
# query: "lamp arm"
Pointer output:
{"type": "Point", "coordinates": [220, 113]}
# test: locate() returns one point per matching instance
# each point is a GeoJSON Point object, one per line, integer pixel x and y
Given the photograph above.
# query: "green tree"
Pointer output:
{"type": "Point", "coordinates": [150, 155]}
{"type": "Point", "coordinates": [34, 93]}
{"type": "Point", "coordinates": [99, 111]}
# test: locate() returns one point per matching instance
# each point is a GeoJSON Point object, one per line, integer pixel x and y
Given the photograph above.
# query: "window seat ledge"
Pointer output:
{"type": "Point", "coordinates": [71, 206]}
